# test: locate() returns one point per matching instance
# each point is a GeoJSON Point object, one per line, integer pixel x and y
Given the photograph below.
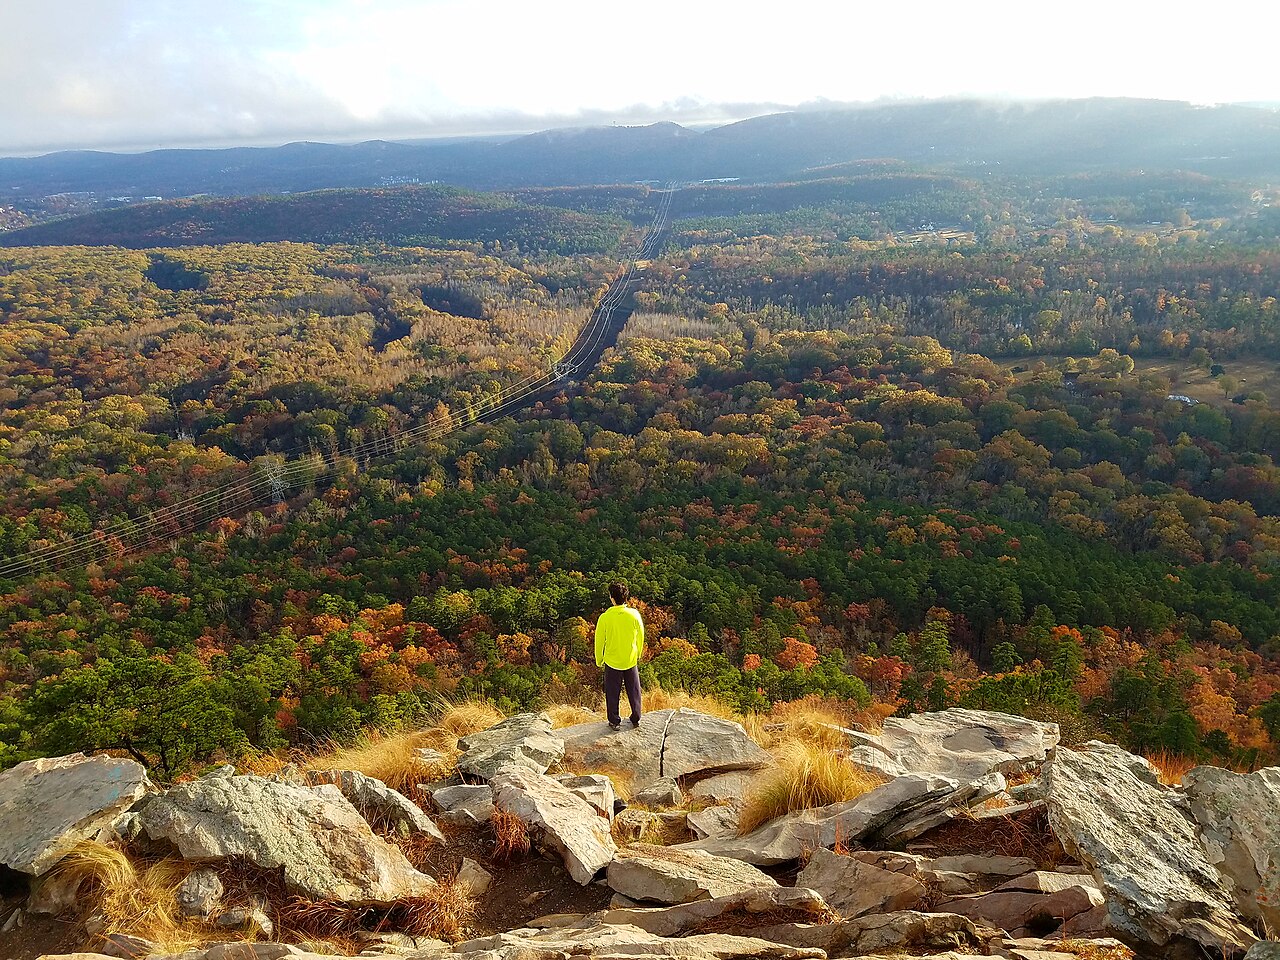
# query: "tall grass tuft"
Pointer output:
{"type": "Point", "coordinates": [510, 836]}
{"type": "Point", "coordinates": [807, 775]}
{"type": "Point", "coordinates": [128, 899]}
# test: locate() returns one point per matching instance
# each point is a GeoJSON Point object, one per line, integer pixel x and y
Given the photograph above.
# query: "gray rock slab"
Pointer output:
{"type": "Point", "coordinates": [645, 872]}
{"type": "Point", "coordinates": [594, 788]}
{"type": "Point", "coordinates": [378, 803]}
{"type": "Point", "coordinates": [525, 740]}
{"type": "Point", "coordinates": [465, 804]}
{"type": "Point", "coordinates": [721, 821]}
{"type": "Point", "coordinates": [854, 888]}
{"type": "Point", "coordinates": [681, 919]}
{"type": "Point", "coordinates": [785, 839]}
{"type": "Point", "coordinates": [49, 805]}
{"type": "Point", "coordinates": [326, 850]}
{"type": "Point", "coordinates": [1110, 811]}
{"type": "Point", "coordinates": [561, 820]}
{"type": "Point", "coordinates": [662, 793]}
{"type": "Point", "coordinates": [957, 743]}
{"type": "Point", "coordinates": [1238, 816]}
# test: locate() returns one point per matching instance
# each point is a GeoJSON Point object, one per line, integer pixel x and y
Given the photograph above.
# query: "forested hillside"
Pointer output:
{"type": "Point", "coordinates": [846, 447]}
{"type": "Point", "coordinates": [404, 215]}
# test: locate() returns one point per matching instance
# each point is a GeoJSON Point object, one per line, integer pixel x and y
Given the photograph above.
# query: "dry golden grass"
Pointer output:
{"type": "Point", "coordinates": [658, 830]}
{"type": "Point", "coordinates": [1172, 767]}
{"type": "Point", "coordinates": [659, 699]}
{"type": "Point", "coordinates": [807, 775]}
{"type": "Point", "coordinates": [567, 715]}
{"type": "Point", "coordinates": [129, 899]}
{"type": "Point", "coordinates": [463, 718]}
{"type": "Point", "coordinates": [389, 757]}
{"type": "Point", "coordinates": [1092, 951]}
{"type": "Point", "coordinates": [510, 836]}
{"type": "Point", "coordinates": [444, 914]}
{"type": "Point", "coordinates": [812, 720]}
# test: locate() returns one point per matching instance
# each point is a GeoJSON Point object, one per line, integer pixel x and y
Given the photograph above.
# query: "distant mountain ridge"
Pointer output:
{"type": "Point", "coordinates": [1052, 136]}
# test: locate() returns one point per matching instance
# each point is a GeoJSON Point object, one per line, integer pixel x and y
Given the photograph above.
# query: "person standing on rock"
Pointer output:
{"type": "Point", "coordinates": [619, 644]}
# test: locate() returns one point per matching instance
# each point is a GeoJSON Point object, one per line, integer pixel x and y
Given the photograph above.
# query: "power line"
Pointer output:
{"type": "Point", "coordinates": [272, 478]}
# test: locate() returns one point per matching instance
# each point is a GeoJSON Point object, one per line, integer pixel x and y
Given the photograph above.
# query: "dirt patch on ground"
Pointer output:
{"type": "Point", "coordinates": [37, 935]}
{"type": "Point", "coordinates": [523, 889]}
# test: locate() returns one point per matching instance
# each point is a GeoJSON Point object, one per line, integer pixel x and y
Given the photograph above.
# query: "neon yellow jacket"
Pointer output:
{"type": "Point", "coordinates": [619, 638]}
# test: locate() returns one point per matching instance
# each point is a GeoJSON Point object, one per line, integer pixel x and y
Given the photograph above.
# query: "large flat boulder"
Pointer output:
{"type": "Point", "coordinates": [645, 872]}
{"type": "Point", "coordinates": [378, 803]}
{"type": "Point", "coordinates": [668, 743]}
{"type": "Point", "coordinates": [854, 888]}
{"type": "Point", "coordinates": [323, 845]}
{"type": "Point", "coordinates": [593, 747]}
{"type": "Point", "coordinates": [1239, 820]}
{"type": "Point", "coordinates": [1109, 809]}
{"type": "Point", "coordinates": [957, 743]}
{"type": "Point", "coordinates": [562, 821]}
{"type": "Point", "coordinates": [47, 806]}
{"type": "Point", "coordinates": [697, 743]}
{"type": "Point", "coordinates": [524, 740]}
{"type": "Point", "coordinates": [785, 839]}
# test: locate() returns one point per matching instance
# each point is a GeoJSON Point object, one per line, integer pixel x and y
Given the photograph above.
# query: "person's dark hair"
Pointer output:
{"type": "Point", "coordinates": [619, 592]}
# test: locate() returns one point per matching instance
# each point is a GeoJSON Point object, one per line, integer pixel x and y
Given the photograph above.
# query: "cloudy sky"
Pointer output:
{"type": "Point", "coordinates": [132, 74]}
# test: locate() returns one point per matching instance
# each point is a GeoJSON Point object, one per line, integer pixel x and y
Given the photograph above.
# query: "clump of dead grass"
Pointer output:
{"type": "Point", "coordinates": [443, 914]}
{"type": "Point", "coordinates": [656, 698]}
{"type": "Point", "coordinates": [462, 719]}
{"type": "Point", "coordinates": [568, 715]}
{"type": "Point", "coordinates": [1086, 950]}
{"type": "Point", "coordinates": [807, 775]}
{"type": "Point", "coordinates": [128, 898]}
{"type": "Point", "coordinates": [1171, 767]}
{"type": "Point", "coordinates": [510, 836]}
{"type": "Point", "coordinates": [389, 757]}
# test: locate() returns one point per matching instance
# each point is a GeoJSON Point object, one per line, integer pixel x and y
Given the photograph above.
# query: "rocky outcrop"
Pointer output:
{"type": "Point", "coordinates": [47, 806]}
{"type": "Point", "coordinates": [379, 804]}
{"type": "Point", "coordinates": [956, 743]}
{"type": "Point", "coordinates": [698, 744]}
{"type": "Point", "coordinates": [1109, 809]}
{"type": "Point", "coordinates": [1239, 821]}
{"type": "Point", "coordinates": [888, 810]}
{"type": "Point", "coordinates": [646, 872]}
{"type": "Point", "coordinates": [854, 888]}
{"type": "Point", "coordinates": [668, 743]}
{"type": "Point", "coordinates": [324, 847]}
{"type": "Point", "coordinates": [524, 740]}
{"type": "Point", "coordinates": [562, 822]}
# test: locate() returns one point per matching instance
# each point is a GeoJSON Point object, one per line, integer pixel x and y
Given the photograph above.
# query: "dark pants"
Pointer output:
{"type": "Point", "coordinates": [614, 680]}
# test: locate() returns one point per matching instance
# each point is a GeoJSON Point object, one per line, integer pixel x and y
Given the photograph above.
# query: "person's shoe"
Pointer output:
{"type": "Point", "coordinates": [615, 726]}
{"type": "Point", "coordinates": [635, 721]}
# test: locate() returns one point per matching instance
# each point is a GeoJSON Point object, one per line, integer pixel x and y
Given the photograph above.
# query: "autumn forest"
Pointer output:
{"type": "Point", "coordinates": [885, 433]}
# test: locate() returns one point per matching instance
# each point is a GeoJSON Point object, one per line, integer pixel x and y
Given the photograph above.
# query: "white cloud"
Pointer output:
{"type": "Point", "coordinates": [135, 72]}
